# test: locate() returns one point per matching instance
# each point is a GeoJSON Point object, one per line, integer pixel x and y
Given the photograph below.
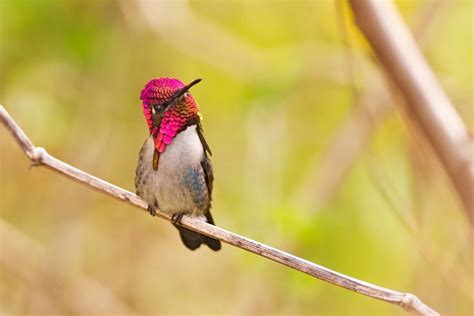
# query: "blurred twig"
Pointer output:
{"type": "Point", "coordinates": [433, 111]}
{"type": "Point", "coordinates": [424, 18]}
{"type": "Point", "coordinates": [40, 157]}
{"type": "Point", "coordinates": [372, 105]}
{"type": "Point", "coordinates": [88, 295]}
{"type": "Point", "coordinates": [346, 145]}
{"type": "Point", "coordinates": [456, 278]}
{"type": "Point", "coordinates": [349, 55]}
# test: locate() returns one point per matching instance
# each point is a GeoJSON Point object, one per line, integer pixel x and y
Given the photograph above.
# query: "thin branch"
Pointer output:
{"type": "Point", "coordinates": [370, 108]}
{"type": "Point", "coordinates": [433, 111]}
{"type": "Point", "coordinates": [39, 156]}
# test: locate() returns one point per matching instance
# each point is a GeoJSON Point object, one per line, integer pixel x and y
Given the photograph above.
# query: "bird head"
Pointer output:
{"type": "Point", "coordinates": [169, 108]}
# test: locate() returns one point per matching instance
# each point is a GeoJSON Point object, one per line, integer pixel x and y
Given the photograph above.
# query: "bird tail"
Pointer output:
{"type": "Point", "coordinates": [193, 240]}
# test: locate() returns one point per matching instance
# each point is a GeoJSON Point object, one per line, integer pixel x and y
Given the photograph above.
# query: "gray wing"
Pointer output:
{"type": "Point", "coordinates": [206, 164]}
{"type": "Point", "coordinates": [208, 175]}
{"type": "Point", "coordinates": [199, 129]}
{"type": "Point", "coordinates": [200, 180]}
{"type": "Point", "coordinates": [140, 171]}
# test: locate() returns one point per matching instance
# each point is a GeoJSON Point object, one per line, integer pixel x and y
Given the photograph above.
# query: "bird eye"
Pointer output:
{"type": "Point", "coordinates": [158, 108]}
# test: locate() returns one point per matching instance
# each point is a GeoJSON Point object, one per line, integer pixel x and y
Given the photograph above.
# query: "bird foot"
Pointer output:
{"type": "Point", "coordinates": [176, 218]}
{"type": "Point", "coordinates": [151, 210]}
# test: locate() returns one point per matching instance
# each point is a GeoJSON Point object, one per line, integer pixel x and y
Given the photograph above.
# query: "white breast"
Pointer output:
{"type": "Point", "coordinates": [165, 185]}
{"type": "Point", "coordinates": [185, 149]}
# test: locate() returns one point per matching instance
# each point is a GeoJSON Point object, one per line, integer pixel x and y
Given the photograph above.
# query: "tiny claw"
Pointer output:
{"type": "Point", "coordinates": [151, 210]}
{"type": "Point", "coordinates": [176, 218]}
{"type": "Point", "coordinates": [33, 165]}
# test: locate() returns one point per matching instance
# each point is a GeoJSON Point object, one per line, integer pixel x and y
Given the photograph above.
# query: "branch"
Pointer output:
{"type": "Point", "coordinates": [370, 108]}
{"type": "Point", "coordinates": [432, 109]}
{"type": "Point", "coordinates": [40, 157]}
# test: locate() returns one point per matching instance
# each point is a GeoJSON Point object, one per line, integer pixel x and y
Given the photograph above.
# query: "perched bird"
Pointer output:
{"type": "Point", "coordinates": [174, 173]}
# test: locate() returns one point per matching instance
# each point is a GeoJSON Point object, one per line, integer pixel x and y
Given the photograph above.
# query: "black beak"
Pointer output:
{"type": "Point", "coordinates": [187, 87]}
{"type": "Point", "coordinates": [180, 92]}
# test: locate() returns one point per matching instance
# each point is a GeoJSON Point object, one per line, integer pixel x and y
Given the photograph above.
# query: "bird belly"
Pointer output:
{"type": "Point", "coordinates": [178, 185]}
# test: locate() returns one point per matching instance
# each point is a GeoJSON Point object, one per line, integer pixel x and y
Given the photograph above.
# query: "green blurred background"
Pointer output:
{"type": "Point", "coordinates": [314, 154]}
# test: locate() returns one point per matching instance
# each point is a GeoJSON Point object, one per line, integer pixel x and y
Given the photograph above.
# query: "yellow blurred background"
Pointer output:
{"type": "Point", "coordinates": [312, 151]}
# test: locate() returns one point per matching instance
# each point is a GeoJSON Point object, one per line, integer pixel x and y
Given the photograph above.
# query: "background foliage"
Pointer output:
{"type": "Point", "coordinates": [283, 83]}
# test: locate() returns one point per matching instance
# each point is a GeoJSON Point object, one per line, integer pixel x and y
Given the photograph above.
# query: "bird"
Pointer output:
{"type": "Point", "coordinates": [174, 172]}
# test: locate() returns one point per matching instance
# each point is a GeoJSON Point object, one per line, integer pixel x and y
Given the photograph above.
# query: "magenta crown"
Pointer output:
{"type": "Point", "coordinates": [176, 118]}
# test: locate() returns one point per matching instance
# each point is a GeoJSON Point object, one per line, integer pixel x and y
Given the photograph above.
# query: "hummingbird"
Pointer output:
{"type": "Point", "coordinates": [174, 172]}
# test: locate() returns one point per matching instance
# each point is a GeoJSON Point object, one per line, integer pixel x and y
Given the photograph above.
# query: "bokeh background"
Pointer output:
{"type": "Point", "coordinates": [314, 153]}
